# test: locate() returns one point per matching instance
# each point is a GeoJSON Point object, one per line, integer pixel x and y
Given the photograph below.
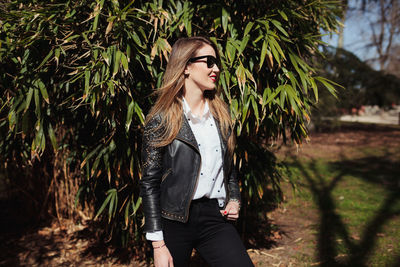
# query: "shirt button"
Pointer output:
{"type": "Point", "coordinates": [201, 173]}
{"type": "Point", "coordinates": [199, 144]}
{"type": "Point", "coordinates": [216, 150]}
{"type": "Point", "coordinates": [218, 191]}
{"type": "Point", "coordinates": [213, 179]}
{"type": "Point", "coordinates": [210, 124]}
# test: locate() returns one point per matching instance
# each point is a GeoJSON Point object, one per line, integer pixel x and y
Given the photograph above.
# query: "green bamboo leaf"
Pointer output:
{"type": "Point", "coordinates": [279, 26]}
{"type": "Point", "coordinates": [303, 79]}
{"type": "Point", "coordinates": [96, 13]}
{"type": "Point", "coordinates": [43, 91]}
{"type": "Point", "coordinates": [90, 155]}
{"type": "Point", "coordinates": [293, 79]}
{"type": "Point", "coordinates": [78, 195]}
{"type": "Point", "coordinates": [235, 108]}
{"type": "Point", "coordinates": [126, 214]}
{"type": "Point", "coordinates": [250, 76]}
{"type": "Point", "coordinates": [267, 91]}
{"type": "Point", "coordinates": [263, 53]}
{"type": "Point", "coordinates": [28, 99]}
{"type": "Point", "coordinates": [70, 14]}
{"type": "Point", "coordinates": [25, 123]}
{"type": "Point", "coordinates": [225, 17]}
{"type": "Point", "coordinates": [116, 203]}
{"type": "Point", "coordinates": [274, 52]}
{"type": "Point", "coordinates": [110, 86]}
{"type": "Point", "coordinates": [137, 205]}
{"type": "Point", "coordinates": [124, 62]}
{"type": "Point", "coordinates": [243, 44]}
{"type": "Point", "coordinates": [245, 109]}
{"type": "Point", "coordinates": [224, 86]}
{"type": "Point", "coordinates": [37, 103]}
{"type": "Point", "coordinates": [57, 52]}
{"type": "Point", "coordinates": [95, 165]}
{"type": "Point", "coordinates": [45, 59]}
{"type": "Point", "coordinates": [230, 51]}
{"type": "Point", "coordinates": [52, 137]}
{"type": "Point", "coordinates": [241, 75]}
{"type": "Point", "coordinates": [72, 37]}
{"type": "Point", "coordinates": [186, 21]}
{"type": "Point", "coordinates": [277, 46]}
{"type": "Point", "coordinates": [314, 87]}
{"type": "Point", "coordinates": [282, 98]}
{"type": "Point", "coordinates": [12, 119]}
{"type": "Point", "coordinates": [106, 57]}
{"type": "Point", "coordinates": [283, 15]}
{"type": "Point", "coordinates": [117, 60]}
{"type": "Point", "coordinates": [95, 54]}
{"type": "Point", "coordinates": [273, 95]}
{"type": "Point", "coordinates": [87, 82]}
{"type": "Point", "coordinates": [86, 38]}
{"type": "Point", "coordinates": [103, 206]}
{"type": "Point", "coordinates": [129, 115]}
{"type": "Point", "coordinates": [255, 108]}
{"type": "Point", "coordinates": [327, 84]}
{"type": "Point", "coordinates": [112, 204]}
{"type": "Point", "coordinates": [291, 95]}
{"type": "Point", "coordinates": [248, 28]}
{"type": "Point", "coordinates": [139, 113]}
{"type": "Point", "coordinates": [112, 146]}
{"type": "Point", "coordinates": [136, 39]}
{"type": "Point", "coordinates": [294, 62]}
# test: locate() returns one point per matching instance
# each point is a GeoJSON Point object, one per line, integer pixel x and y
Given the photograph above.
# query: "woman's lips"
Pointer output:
{"type": "Point", "coordinates": [213, 78]}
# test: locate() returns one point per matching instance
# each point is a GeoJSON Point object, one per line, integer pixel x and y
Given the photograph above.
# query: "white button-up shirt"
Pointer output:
{"type": "Point", "coordinates": [211, 176]}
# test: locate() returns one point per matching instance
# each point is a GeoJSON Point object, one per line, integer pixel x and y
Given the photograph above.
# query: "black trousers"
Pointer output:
{"type": "Point", "coordinates": [209, 233]}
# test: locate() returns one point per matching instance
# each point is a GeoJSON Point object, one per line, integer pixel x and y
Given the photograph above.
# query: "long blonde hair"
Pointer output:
{"type": "Point", "coordinates": [169, 100]}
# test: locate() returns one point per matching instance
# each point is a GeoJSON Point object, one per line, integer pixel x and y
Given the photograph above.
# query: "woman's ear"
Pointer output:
{"type": "Point", "coordinates": [186, 72]}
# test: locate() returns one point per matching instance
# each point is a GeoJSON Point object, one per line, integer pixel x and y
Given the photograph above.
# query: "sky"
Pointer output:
{"type": "Point", "coordinates": [357, 31]}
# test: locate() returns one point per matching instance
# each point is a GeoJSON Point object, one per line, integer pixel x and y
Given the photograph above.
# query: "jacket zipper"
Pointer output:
{"type": "Point", "coordinates": [197, 179]}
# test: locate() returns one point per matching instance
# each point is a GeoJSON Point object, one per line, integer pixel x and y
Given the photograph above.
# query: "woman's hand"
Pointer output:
{"type": "Point", "coordinates": [162, 257]}
{"type": "Point", "coordinates": [231, 211]}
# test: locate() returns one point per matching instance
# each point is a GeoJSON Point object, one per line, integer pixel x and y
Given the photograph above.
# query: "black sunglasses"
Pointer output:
{"type": "Point", "coordinates": [211, 60]}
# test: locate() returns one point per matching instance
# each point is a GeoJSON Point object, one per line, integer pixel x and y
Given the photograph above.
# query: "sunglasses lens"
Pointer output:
{"type": "Point", "coordinates": [211, 61]}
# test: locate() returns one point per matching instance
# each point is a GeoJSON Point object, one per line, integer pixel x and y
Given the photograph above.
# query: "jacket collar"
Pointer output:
{"type": "Point", "coordinates": [186, 134]}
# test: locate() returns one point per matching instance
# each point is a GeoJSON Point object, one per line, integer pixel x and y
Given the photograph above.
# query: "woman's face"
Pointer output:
{"type": "Point", "coordinates": [201, 74]}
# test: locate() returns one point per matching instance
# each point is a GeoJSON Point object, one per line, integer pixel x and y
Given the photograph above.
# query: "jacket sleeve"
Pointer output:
{"type": "Point", "coordinates": [233, 183]}
{"type": "Point", "coordinates": [151, 176]}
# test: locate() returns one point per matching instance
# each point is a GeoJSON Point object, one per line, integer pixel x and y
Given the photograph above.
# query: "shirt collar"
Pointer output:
{"type": "Point", "coordinates": [188, 111]}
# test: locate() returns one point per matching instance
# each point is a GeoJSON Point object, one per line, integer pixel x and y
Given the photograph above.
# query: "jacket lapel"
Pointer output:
{"type": "Point", "coordinates": [185, 134]}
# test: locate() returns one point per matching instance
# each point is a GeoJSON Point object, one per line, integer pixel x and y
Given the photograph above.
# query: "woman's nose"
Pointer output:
{"type": "Point", "coordinates": [215, 68]}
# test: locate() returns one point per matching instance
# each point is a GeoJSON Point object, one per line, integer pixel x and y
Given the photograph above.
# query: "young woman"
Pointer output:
{"type": "Point", "coordinates": [189, 186]}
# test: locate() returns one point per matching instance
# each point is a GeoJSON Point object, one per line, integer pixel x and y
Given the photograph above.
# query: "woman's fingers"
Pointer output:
{"type": "Point", "coordinates": [233, 215]}
{"type": "Point", "coordinates": [231, 211]}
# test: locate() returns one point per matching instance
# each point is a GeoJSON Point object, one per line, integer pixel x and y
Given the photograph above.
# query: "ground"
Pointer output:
{"type": "Point", "coordinates": [293, 236]}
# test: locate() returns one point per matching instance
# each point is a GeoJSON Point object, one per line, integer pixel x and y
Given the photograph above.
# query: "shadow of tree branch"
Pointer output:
{"type": "Point", "coordinates": [331, 225]}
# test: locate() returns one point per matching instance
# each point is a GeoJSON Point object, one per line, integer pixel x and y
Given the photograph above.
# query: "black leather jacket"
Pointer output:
{"type": "Point", "coordinates": [170, 175]}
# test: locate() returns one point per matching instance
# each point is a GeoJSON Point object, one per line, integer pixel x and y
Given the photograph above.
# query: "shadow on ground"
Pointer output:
{"type": "Point", "coordinates": [382, 172]}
